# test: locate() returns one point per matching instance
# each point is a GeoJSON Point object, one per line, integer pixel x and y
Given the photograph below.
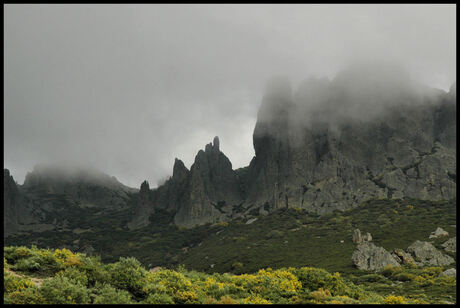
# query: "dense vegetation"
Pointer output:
{"type": "Point", "coordinates": [41, 276]}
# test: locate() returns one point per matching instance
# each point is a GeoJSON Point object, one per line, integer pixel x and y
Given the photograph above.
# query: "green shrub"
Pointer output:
{"type": "Point", "coordinates": [371, 278]}
{"type": "Point", "coordinates": [158, 298]}
{"type": "Point", "coordinates": [313, 279]}
{"type": "Point", "coordinates": [128, 274]}
{"type": "Point", "coordinates": [95, 271]}
{"type": "Point", "coordinates": [14, 253]}
{"type": "Point", "coordinates": [106, 294]}
{"type": "Point", "coordinates": [24, 297]}
{"type": "Point", "coordinates": [62, 290]}
{"type": "Point", "coordinates": [27, 265]}
{"type": "Point", "coordinates": [274, 234]}
{"type": "Point", "coordinates": [75, 275]}
{"type": "Point", "coordinates": [405, 277]}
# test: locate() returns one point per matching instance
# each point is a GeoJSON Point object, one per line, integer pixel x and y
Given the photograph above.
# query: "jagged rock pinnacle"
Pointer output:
{"type": "Point", "coordinates": [144, 187]}
{"type": "Point", "coordinates": [180, 172]}
{"type": "Point", "coordinates": [215, 142]}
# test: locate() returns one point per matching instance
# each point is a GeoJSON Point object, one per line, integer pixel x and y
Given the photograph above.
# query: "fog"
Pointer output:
{"type": "Point", "coordinates": [128, 88]}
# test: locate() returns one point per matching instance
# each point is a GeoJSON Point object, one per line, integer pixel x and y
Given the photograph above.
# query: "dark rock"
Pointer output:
{"type": "Point", "coordinates": [143, 208]}
{"type": "Point", "coordinates": [212, 184]}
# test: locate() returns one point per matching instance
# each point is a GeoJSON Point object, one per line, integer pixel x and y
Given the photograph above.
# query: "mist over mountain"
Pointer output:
{"type": "Point", "coordinates": [369, 133]}
{"type": "Point", "coordinates": [127, 88]}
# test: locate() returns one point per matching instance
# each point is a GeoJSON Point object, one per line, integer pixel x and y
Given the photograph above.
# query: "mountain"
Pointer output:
{"type": "Point", "coordinates": [370, 133]}
{"type": "Point", "coordinates": [52, 195]}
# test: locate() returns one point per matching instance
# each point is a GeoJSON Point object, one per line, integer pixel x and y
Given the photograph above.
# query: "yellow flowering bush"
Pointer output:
{"type": "Point", "coordinates": [320, 295]}
{"type": "Point", "coordinates": [186, 297]}
{"type": "Point", "coordinates": [255, 299]}
{"type": "Point", "coordinates": [13, 283]}
{"type": "Point", "coordinates": [392, 299]}
{"type": "Point", "coordinates": [67, 258]}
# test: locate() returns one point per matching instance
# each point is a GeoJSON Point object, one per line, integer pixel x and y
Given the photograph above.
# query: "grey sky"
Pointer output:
{"type": "Point", "coordinates": [127, 88]}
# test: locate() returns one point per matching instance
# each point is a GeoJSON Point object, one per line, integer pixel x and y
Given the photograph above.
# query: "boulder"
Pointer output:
{"type": "Point", "coordinates": [450, 245]}
{"type": "Point", "coordinates": [427, 254]}
{"type": "Point", "coordinates": [438, 233]}
{"type": "Point", "coordinates": [369, 257]}
{"type": "Point", "coordinates": [451, 272]}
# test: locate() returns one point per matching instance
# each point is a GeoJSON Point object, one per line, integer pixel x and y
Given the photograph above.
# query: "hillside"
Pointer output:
{"type": "Point", "coordinates": [284, 238]}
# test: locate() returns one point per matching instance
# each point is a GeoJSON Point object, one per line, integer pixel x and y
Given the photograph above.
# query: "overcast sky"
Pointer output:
{"type": "Point", "coordinates": [127, 88]}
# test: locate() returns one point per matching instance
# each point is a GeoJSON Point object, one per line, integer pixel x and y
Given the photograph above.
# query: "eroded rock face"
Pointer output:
{"type": "Point", "coordinates": [426, 253]}
{"type": "Point", "coordinates": [367, 256]}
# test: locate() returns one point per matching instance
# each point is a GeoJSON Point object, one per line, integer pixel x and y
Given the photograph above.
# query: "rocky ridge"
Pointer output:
{"type": "Point", "coordinates": [325, 148]}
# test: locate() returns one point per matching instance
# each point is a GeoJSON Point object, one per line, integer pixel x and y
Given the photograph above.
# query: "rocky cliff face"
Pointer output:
{"type": "Point", "coordinates": [207, 193]}
{"type": "Point", "coordinates": [346, 154]}
{"type": "Point", "coordinates": [369, 133]}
